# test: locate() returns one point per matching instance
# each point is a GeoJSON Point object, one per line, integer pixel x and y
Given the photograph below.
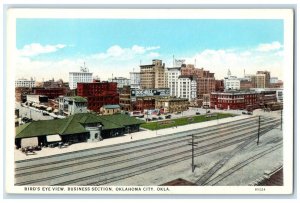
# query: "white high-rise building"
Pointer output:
{"type": "Point", "coordinates": [25, 83]}
{"type": "Point", "coordinates": [172, 78]}
{"type": "Point", "coordinates": [135, 80]}
{"type": "Point", "coordinates": [231, 82]}
{"type": "Point", "coordinates": [121, 81]}
{"type": "Point", "coordinates": [84, 76]}
{"type": "Point", "coordinates": [187, 87]}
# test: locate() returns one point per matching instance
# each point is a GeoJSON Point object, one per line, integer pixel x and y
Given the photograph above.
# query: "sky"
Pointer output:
{"type": "Point", "coordinates": [51, 48]}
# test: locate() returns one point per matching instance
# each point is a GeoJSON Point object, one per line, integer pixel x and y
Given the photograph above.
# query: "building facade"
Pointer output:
{"type": "Point", "coordinates": [231, 82]}
{"type": "Point", "coordinates": [187, 87]}
{"type": "Point", "coordinates": [71, 105]}
{"type": "Point", "coordinates": [267, 77]}
{"type": "Point", "coordinates": [125, 101]}
{"type": "Point", "coordinates": [110, 109]}
{"type": "Point", "coordinates": [84, 76]}
{"type": "Point", "coordinates": [219, 85]}
{"type": "Point", "coordinates": [260, 81]}
{"type": "Point", "coordinates": [205, 80]}
{"type": "Point", "coordinates": [52, 93]}
{"type": "Point", "coordinates": [143, 103]}
{"type": "Point", "coordinates": [36, 99]}
{"type": "Point", "coordinates": [21, 93]}
{"type": "Point", "coordinates": [121, 81]}
{"type": "Point", "coordinates": [171, 105]}
{"type": "Point", "coordinates": [246, 85]}
{"type": "Point", "coordinates": [135, 80]}
{"type": "Point", "coordinates": [232, 100]}
{"type": "Point", "coordinates": [153, 75]}
{"type": "Point", "coordinates": [25, 83]}
{"type": "Point", "coordinates": [98, 94]}
{"type": "Point", "coordinates": [242, 100]}
{"type": "Point", "coordinates": [173, 74]}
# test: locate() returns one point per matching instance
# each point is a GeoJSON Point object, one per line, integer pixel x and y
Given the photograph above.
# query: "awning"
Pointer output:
{"type": "Point", "coordinates": [53, 138]}
{"type": "Point", "coordinates": [27, 142]}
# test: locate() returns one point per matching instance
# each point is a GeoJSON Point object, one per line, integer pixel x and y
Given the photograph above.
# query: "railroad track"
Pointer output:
{"type": "Point", "coordinates": [222, 162]}
{"type": "Point", "coordinates": [87, 159]}
{"type": "Point", "coordinates": [74, 156]}
{"type": "Point", "coordinates": [242, 164]}
{"type": "Point", "coordinates": [222, 145]}
{"type": "Point", "coordinates": [137, 172]}
{"type": "Point", "coordinates": [94, 151]}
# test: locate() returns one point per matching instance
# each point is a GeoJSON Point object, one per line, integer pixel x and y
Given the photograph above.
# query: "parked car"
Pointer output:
{"type": "Point", "coordinates": [160, 118]}
{"type": "Point", "coordinates": [249, 113]}
{"type": "Point", "coordinates": [244, 112]}
{"type": "Point", "coordinates": [198, 113]}
{"type": "Point", "coordinates": [168, 116]}
{"type": "Point", "coordinates": [208, 111]}
{"type": "Point", "coordinates": [148, 119]}
{"type": "Point", "coordinates": [154, 118]}
{"type": "Point", "coordinates": [26, 120]}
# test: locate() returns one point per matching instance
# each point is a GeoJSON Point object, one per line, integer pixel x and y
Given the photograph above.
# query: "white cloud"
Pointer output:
{"type": "Point", "coordinates": [269, 47]}
{"type": "Point", "coordinates": [119, 61]}
{"type": "Point", "coordinates": [119, 53]}
{"type": "Point", "coordinates": [115, 60]}
{"type": "Point", "coordinates": [35, 49]}
{"type": "Point", "coordinates": [219, 61]}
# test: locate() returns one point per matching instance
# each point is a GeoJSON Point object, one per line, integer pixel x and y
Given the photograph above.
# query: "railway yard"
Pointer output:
{"type": "Point", "coordinates": [226, 153]}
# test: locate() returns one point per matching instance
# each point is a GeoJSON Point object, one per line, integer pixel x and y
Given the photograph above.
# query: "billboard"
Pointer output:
{"type": "Point", "coordinates": [164, 92]}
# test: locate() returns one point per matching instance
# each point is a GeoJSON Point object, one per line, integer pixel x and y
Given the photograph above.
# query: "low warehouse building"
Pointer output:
{"type": "Point", "coordinates": [83, 127]}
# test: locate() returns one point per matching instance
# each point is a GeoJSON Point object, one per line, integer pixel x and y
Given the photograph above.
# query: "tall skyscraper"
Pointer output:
{"type": "Point", "coordinates": [153, 75]}
{"type": "Point", "coordinates": [267, 77]}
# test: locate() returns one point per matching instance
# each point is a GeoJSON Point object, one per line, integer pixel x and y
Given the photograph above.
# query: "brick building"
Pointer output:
{"type": "Point", "coordinates": [21, 93]}
{"type": "Point", "coordinates": [51, 93]}
{"type": "Point", "coordinates": [125, 102]}
{"type": "Point", "coordinates": [206, 82]}
{"type": "Point", "coordinates": [219, 85]}
{"type": "Point", "coordinates": [232, 100]}
{"type": "Point", "coordinates": [171, 105]}
{"type": "Point", "coordinates": [241, 100]}
{"type": "Point", "coordinates": [98, 94]}
{"type": "Point", "coordinates": [144, 103]}
{"type": "Point", "coordinates": [246, 85]}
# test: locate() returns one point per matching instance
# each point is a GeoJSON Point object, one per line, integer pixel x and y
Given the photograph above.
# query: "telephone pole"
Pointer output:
{"type": "Point", "coordinates": [193, 144]}
{"type": "Point", "coordinates": [258, 130]}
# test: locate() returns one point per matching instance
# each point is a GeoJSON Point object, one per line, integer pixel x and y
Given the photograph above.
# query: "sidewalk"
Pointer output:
{"type": "Point", "coordinates": [126, 138]}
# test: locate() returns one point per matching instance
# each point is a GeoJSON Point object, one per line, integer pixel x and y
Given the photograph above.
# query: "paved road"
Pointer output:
{"type": "Point", "coordinates": [31, 112]}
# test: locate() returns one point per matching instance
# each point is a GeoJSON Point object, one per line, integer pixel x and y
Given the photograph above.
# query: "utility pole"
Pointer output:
{"type": "Point", "coordinates": [281, 120]}
{"type": "Point", "coordinates": [258, 130]}
{"type": "Point", "coordinates": [193, 144]}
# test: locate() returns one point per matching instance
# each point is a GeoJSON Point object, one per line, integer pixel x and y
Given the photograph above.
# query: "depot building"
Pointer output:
{"type": "Point", "coordinates": [82, 127]}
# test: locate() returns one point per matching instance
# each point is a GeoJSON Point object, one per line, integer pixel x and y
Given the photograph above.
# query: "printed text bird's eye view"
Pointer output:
{"type": "Point", "coordinates": [148, 102]}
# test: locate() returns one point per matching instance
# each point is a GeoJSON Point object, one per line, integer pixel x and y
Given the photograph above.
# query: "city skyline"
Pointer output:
{"type": "Point", "coordinates": [117, 47]}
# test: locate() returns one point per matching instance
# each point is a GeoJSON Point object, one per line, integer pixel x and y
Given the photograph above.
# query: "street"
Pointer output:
{"type": "Point", "coordinates": [31, 112]}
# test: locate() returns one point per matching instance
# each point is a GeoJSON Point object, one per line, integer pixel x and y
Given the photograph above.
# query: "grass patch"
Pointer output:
{"type": "Point", "coordinates": [184, 121]}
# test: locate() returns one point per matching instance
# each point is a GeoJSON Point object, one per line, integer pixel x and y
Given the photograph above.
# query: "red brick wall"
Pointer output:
{"type": "Point", "coordinates": [98, 94]}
